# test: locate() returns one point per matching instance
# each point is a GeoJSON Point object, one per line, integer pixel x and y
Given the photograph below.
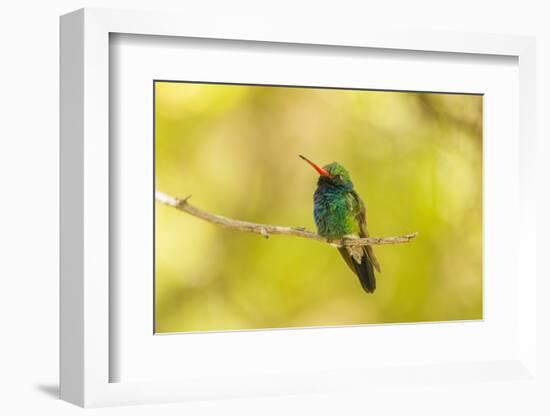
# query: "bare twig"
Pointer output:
{"type": "Point", "coordinates": [266, 229]}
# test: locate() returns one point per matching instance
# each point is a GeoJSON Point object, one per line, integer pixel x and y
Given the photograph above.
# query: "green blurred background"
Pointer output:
{"type": "Point", "coordinates": [415, 159]}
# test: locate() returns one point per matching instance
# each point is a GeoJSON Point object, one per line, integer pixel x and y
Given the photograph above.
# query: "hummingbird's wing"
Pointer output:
{"type": "Point", "coordinates": [360, 259]}
{"type": "Point", "coordinates": [361, 217]}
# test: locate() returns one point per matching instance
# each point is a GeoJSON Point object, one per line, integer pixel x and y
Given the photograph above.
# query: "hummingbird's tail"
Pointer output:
{"type": "Point", "coordinates": [363, 269]}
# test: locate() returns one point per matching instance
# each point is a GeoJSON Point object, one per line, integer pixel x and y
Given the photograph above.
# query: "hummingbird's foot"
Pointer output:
{"type": "Point", "coordinates": [264, 232]}
{"type": "Point", "coordinates": [348, 237]}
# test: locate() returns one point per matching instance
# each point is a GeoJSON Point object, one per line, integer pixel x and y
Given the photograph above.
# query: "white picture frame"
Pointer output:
{"type": "Point", "coordinates": [86, 356]}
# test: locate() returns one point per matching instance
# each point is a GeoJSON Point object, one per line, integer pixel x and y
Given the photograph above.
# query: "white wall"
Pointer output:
{"type": "Point", "coordinates": [29, 57]}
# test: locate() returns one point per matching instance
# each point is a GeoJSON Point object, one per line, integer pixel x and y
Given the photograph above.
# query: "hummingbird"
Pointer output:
{"type": "Point", "coordinates": [339, 213]}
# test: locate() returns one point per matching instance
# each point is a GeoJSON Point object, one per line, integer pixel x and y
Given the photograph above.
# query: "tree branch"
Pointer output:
{"type": "Point", "coordinates": [266, 229]}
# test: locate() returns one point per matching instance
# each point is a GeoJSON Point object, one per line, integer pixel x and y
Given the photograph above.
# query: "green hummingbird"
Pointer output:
{"type": "Point", "coordinates": [340, 213]}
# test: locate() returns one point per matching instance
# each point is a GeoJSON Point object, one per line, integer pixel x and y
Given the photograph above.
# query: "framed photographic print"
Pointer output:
{"type": "Point", "coordinates": [262, 212]}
